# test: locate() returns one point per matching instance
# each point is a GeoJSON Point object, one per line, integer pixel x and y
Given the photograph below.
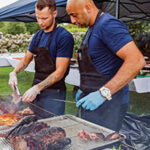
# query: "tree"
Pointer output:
{"type": "Point", "coordinates": [136, 28]}
{"type": "Point", "coordinates": [16, 28]}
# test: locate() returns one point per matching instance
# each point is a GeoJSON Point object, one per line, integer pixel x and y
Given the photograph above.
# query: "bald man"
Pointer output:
{"type": "Point", "coordinates": [108, 59]}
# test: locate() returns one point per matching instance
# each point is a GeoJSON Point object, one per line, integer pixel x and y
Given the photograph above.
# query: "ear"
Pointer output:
{"type": "Point", "coordinates": [55, 13]}
{"type": "Point", "coordinates": [88, 7]}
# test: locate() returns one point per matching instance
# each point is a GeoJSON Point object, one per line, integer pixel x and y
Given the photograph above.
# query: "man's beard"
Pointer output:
{"type": "Point", "coordinates": [50, 25]}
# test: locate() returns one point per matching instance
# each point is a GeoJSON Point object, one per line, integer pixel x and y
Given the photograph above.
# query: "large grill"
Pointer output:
{"type": "Point", "coordinates": [72, 125]}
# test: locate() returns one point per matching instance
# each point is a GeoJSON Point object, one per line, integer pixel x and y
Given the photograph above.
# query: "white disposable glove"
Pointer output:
{"type": "Point", "coordinates": [31, 94]}
{"type": "Point", "coordinates": [13, 80]}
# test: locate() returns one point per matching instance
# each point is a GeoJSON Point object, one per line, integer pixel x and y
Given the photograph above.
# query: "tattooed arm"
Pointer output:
{"type": "Point", "coordinates": [61, 67]}
{"type": "Point", "coordinates": [58, 74]}
{"type": "Point", "coordinates": [24, 62]}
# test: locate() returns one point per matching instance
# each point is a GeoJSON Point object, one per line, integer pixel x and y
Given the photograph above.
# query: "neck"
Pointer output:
{"type": "Point", "coordinates": [94, 14]}
{"type": "Point", "coordinates": [50, 28]}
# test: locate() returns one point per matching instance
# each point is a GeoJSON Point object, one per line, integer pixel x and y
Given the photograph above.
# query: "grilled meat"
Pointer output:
{"type": "Point", "coordinates": [8, 108]}
{"type": "Point", "coordinates": [112, 136]}
{"type": "Point", "coordinates": [26, 111]}
{"type": "Point", "coordinates": [46, 139]}
{"type": "Point", "coordinates": [97, 136]}
{"type": "Point", "coordinates": [32, 127]}
{"type": "Point", "coordinates": [29, 134]}
{"type": "Point", "coordinates": [14, 106]}
{"type": "Point", "coordinates": [91, 136]}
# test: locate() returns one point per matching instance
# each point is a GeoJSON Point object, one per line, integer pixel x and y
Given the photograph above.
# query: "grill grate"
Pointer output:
{"type": "Point", "coordinates": [5, 145]}
{"type": "Point", "coordinates": [72, 125]}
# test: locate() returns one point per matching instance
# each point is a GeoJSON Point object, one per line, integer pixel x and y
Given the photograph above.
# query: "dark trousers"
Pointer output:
{"type": "Point", "coordinates": [124, 108]}
{"type": "Point", "coordinates": [46, 100]}
{"type": "Point", "coordinates": [108, 114]}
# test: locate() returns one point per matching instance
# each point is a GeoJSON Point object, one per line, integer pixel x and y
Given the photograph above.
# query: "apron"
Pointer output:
{"type": "Point", "coordinates": [91, 79]}
{"type": "Point", "coordinates": [44, 66]}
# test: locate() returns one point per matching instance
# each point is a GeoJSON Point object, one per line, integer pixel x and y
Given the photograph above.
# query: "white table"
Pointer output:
{"type": "Point", "coordinates": [140, 85]}
{"type": "Point", "coordinates": [3, 60]}
{"type": "Point", "coordinates": [13, 62]}
{"type": "Point", "coordinates": [73, 77]}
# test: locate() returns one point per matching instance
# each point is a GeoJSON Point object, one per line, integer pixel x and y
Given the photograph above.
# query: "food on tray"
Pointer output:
{"type": "Point", "coordinates": [90, 136]}
{"type": "Point", "coordinates": [112, 136]}
{"type": "Point", "coordinates": [61, 118]}
{"type": "Point", "coordinates": [26, 111]}
{"type": "Point", "coordinates": [29, 134]}
{"type": "Point", "coordinates": [53, 138]}
{"type": "Point", "coordinates": [97, 136]}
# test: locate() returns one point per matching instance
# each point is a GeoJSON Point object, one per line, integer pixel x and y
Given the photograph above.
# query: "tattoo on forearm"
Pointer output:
{"type": "Point", "coordinates": [48, 82]}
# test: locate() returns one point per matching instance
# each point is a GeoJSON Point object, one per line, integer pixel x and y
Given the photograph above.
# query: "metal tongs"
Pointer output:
{"type": "Point", "coordinates": [17, 100]}
{"type": "Point", "coordinates": [19, 103]}
{"type": "Point", "coordinates": [17, 90]}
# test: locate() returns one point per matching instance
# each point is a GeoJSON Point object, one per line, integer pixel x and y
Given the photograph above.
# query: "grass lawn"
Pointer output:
{"type": "Point", "coordinates": [139, 104]}
{"type": "Point", "coordinates": [25, 81]}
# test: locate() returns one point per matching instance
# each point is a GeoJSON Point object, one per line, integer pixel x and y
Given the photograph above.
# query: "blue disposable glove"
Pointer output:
{"type": "Point", "coordinates": [79, 92]}
{"type": "Point", "coordinates": [92, 101]}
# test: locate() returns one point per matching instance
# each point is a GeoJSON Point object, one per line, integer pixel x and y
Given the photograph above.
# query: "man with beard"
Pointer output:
{"type": "Point", "coordinates": [51, 48]}
{"type": "Point", "coordinates": [108, 59]}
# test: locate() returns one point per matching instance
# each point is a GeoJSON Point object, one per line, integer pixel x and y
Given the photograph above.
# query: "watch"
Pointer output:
{"type": "Point", "coordinates": [105, 92]}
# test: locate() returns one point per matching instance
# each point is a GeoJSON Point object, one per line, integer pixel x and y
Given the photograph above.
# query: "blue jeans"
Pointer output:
{"type": "Point", "coordinates": [45, 100]}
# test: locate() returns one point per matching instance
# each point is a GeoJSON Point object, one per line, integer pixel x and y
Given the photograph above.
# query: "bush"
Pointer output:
{"type": "Point", "coordinates": [32, 27]}
{"type": "Point", "coordinates": [16, 28]}
{"type": "Point", "coordinates": [144, 43]}
{"type": "Point", "coordinates": [78, 37]}
{"type": "Point", "coordinates": [73, 28]}
{"type": "Point", "coordinates": [138, 27]}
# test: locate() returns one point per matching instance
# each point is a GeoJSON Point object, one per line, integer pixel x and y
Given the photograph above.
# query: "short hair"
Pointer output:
{"type": "Point", "coordinates": [46, 3]}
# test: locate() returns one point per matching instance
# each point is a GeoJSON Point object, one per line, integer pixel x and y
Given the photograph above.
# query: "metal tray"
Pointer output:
{"type": "Point", "coordinates": [72, 125]}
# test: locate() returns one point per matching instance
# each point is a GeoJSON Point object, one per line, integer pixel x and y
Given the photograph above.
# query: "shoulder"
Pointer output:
{"type": "Point", "coordinates": [108, 22]}
{"type": "Point", "coordinates": [65, 43]}
{"type": "Point", "coordinates": [63, 32]}
{"type": "Point", "coordinates": [37, 34]}
{"type": "Point", "coordinates": [113, 32]}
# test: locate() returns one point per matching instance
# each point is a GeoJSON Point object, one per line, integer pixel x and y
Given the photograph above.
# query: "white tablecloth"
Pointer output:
{"type": "Point", "coordinates": [73, 77]}
{"type": "Point", "coordinates": [140, 85]}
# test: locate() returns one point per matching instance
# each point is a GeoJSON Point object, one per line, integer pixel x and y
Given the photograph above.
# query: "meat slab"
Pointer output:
{"type": "Point", "coordinates": [53, 138]}
{"type": "Point", "coordinates": [14, 106]}
{"type": "Point", "coordinates": [85, 135]}
{"type": "Point", "coordinates": [29, 134]}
